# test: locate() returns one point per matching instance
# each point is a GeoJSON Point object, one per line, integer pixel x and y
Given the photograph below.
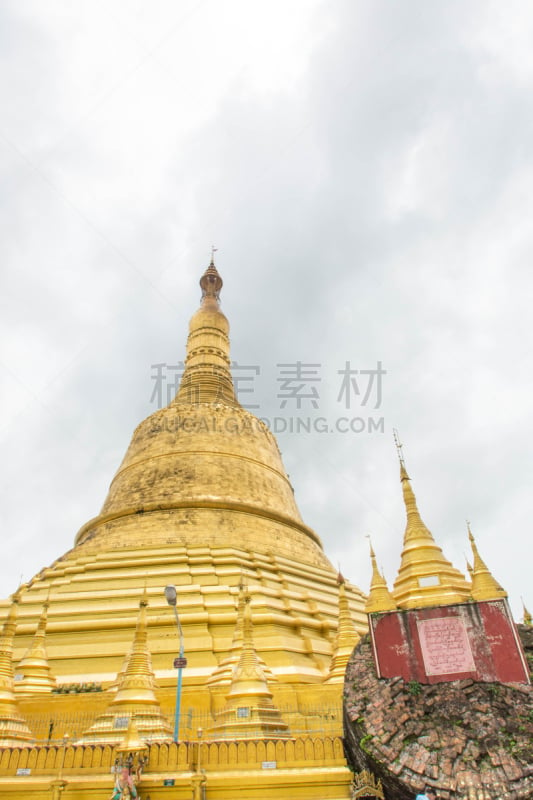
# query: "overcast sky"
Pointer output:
{"type": "Point", "coordinates": [365, 170]}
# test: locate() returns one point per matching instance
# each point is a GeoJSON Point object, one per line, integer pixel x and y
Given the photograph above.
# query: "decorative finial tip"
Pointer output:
{"type": "Point", "coordinates": [211, 282]}
{"type": "Point", "coordinates": [372, 554]}
{"type": "Point", "coordinates": [399, 448]}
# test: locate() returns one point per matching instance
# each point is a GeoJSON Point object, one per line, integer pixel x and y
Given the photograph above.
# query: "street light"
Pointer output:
{"type": "Point", "coordinates": [180, 662]}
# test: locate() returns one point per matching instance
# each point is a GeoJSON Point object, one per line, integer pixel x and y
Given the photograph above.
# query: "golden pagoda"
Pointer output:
{"type": "Point", "coordinates": [346, 639]}
{"type": "Point", "coordinates": [484, 585]}
{"type": "Point", "coordinates": [200, 499]}
{"type": "Point", "coordinates": [250, 709]}
{"type": "Point", "coordinates": [379, 596]}
{"type": "Point", "coordinates": [425, 577]}
{"type": "Point", "coordinates": [33, 672]}
{"type": "Point", "coordinates": [13, 727]}
{"type": "Point", "coordinates": [134, 697]}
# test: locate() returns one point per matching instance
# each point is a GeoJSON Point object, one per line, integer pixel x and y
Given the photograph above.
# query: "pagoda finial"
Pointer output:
{"type": "Point", "coordinates": [207, 376]}
{"type": "Point", "coordinates": [425, 576]}
{"type": "Point", "coordinates": [399, 446]}
{"type": "Point", "coordinates": [379, 597]}
{"type": "Point", "coordinates": [211, 283]}
{"type": "Point", "coordinates": [484, 585]}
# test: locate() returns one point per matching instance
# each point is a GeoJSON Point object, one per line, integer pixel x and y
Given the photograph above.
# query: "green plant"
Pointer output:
{"type": "Point", "coordinates": [414, 688]}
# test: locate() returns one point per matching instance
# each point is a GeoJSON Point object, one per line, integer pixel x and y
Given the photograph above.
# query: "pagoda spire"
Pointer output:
{"type": "Point", "coordinates": [13, 727]}
{"type": "Point", "coordinates": [135, 695]}
{"type": "Point", "coordinates": [484, 585]}
{"type": "Point", "coordinates": [207, 377]}
{"type": "Point", "coordinates": [346, 639]}
{"type": "Point", "coordinates": [250, 710]}
{"type": "Point", "coordinates": [379, 597]}
{"type": "Point", "coordinates": [425, 577]}
{"type": "Point", "coordinates": [34, 666]}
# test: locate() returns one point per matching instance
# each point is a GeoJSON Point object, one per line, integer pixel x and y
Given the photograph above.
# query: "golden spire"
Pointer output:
{"type": "Point", "coordinates": [249, 710]}
{"type": "Point", "coordinates": [484, 585]}
{"type": "Point", "coordinates": [379, 597]}
{"type": "Point", "coordinates": [207, 377]}
{"type": "Point", "coordinates": [425, 577]}
{"type": "Point", "coordinates": [346, 639]}
{"type": "Point", "coordinates": [527, 616]}
{"type": "Point", "coordinates": [223, 673]}
{"type": "Point", "coordinates": [135, 695]}
{"type": "Point", "coordinates": [13, 727]}
{"type": "Point", "coordinates": [34, 666]}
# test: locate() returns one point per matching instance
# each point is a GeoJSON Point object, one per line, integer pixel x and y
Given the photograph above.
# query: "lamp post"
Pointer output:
{"type": "Point", "coordinates": [180, 662]}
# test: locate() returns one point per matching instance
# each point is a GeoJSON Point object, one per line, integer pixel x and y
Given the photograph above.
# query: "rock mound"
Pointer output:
{"type": "Point", "coordinates": [469, 740]}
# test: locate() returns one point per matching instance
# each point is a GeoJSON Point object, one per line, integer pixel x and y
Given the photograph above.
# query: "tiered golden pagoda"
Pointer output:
{"type": "Point", "coordinates": [14, 730]}
{"type": "Point", "coordinates": [34, 667]}
{"type": "Point", "coordinates": [379, 597]}
{"type": "Point", "coordinates": [346, 639]}
{"type": "Point", "coordinates": [250, 710]}
{"type": "Point", "coordinates": [135, 697]}
{"type": "Point", "coordinates": [484, 585]}
{"type": "Point", "coordinates": [526, 619]}
{"type": "Point", "coordinates": [200, 498]}
{"type": "Point", "coordinates": [425, 577]}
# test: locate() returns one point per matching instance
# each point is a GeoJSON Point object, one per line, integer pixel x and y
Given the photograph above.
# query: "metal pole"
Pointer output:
{"type": "Point", "coordinates": [178, 689]}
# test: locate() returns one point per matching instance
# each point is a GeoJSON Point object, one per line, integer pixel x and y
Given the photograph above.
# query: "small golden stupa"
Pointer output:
{"type": "Point", "coordinates": [425, 577]}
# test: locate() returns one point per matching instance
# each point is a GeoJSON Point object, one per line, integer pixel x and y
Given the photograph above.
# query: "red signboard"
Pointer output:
{"type": "Point", "coordinates": [446, 643]}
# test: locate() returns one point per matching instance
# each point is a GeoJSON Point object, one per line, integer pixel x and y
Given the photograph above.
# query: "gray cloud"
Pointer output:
{"type": "Point", "coordinates": [366, 177]}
